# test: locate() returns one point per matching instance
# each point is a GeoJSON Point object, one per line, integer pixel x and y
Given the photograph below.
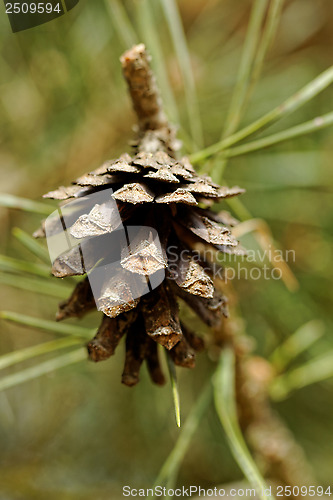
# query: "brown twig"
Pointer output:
{"type": "Point", "coordinates": [273, 445]}
{"type": "Point", "coordinates": [146, 100]}
{"type": "Point", "coordinates": [155, 132]}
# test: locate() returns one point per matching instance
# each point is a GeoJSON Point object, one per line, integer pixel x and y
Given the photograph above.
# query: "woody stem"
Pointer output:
{"type": "Point", "coordinates": [142, 86]}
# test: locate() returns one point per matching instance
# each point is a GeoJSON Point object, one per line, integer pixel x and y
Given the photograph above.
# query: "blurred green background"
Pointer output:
{"type": "Point", "coordinates": [64, 109]}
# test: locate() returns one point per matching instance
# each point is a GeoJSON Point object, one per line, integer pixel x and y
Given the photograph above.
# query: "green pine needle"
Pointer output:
{"type": "Point", "coordinates": [244, 73]}
{"type": "Point", "coordinates": [314, 371]}
{"type": "Point", "coordinates": [297, 100]}
{"type": "Point", "coordinates": [169, 471]}
{"type": "Point", "coordinates": [184, 61]}
{"type": "Point", "coordinates": [268, 35]}
{"type": "Point", "coordinates": [20, 355]}
{"type": "Point", "coordinates": [298, 342]}
{"type": "Point", "coordinates": [50, 326]}
{"type": "Point", "coordinates": [225, 403]}
{"type": "Point", "coordinates": [36, 285]}
{"type": "Point", "coordinates": [11, 265]}
{"type": "Point", "coordinates": [31, 244]}
{"type": "Point", "coordinates": [121, 22]}
{"type": "Point", "coordinates": [12, 201]}
{"type": "Point", "coordinates": [150, 36]}
{"type": "Point", "coordinates": [318, 123]}
{"type": "Point", "coordinates": [43, 368]}
{"type": "Point", "coordinates": [174, 386]}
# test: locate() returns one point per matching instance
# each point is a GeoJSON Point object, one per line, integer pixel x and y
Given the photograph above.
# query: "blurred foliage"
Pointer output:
{"type": "Point", "coordinates": [77, 433]}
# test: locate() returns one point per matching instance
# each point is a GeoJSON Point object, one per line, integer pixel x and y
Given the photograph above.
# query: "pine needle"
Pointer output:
{"type": "Point", "coordinates": [12, 201]}
{"type": "Point", "coordinates": [243, 78]}
{"type": "Point", "coordinates": [31, 244]}
{"type": "Point", "coordinates": [184, 61]}
{"type": "Point", "coordinates": [20, 355]}
{"type": "Point", "coordinates": [318, 123]}
{"type": "Point", "coordinates": [49, 326]}
{"type": "Point", "coordinates": [36, 285]}
{"type": "Point", "coordinates": [121, 23]}
{"type": "Point", "coordinates": [8, 264]}
{"type": "Point", "coordinates": [296, 101]}
{"type": "Point", "coordinates": [174, 386]}
{"type": "Point", "coordinates": [297, 343]}
{"type": "Point", "coordinates": [169, 471]}
{"type": "Point", "coordinates": [268, 35]}
{"type": "Point", "coordinates": [224, 395]}
{"type": "Point", "coordinates": [43, 368]}
{"type": "Point", "coordinates": [314, 371]}
{"type": "Point", "coordinates": [149, 35]}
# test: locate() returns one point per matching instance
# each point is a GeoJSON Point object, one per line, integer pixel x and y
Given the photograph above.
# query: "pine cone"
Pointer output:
{"type": "Point", "coordinates": [150, 189]}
